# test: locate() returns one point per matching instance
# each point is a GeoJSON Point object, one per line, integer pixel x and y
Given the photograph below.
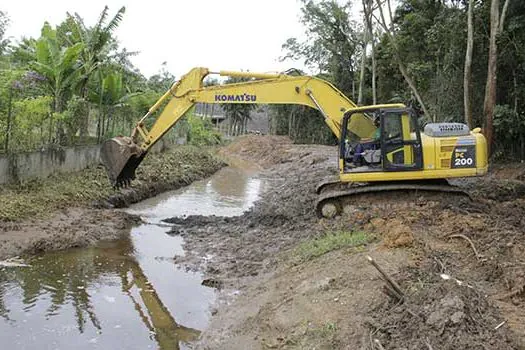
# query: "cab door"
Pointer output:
{"type": "Point", "coordinates": [400, 140]}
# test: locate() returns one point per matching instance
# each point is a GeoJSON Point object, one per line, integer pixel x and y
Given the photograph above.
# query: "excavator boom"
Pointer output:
{"type": "Point", "coordinates": [122, 155]}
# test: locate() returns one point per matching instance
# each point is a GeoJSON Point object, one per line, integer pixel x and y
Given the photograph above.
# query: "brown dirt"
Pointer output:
{"type": "Point", "coordinates": [77, 227]}
{"type": "Point", "coordinates": [272, 300]}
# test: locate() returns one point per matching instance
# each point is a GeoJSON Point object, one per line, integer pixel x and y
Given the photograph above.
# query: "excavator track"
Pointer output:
{"type": "Point", "coordinates": [332, 194]}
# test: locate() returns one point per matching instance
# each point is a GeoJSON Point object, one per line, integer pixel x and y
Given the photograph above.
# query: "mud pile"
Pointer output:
{"type": "Point", "coordinates": [440, 312]}
{"type": "Point", "coordinates": [282, 217]}
{"type": "Point", "coordinates": [479, 241]}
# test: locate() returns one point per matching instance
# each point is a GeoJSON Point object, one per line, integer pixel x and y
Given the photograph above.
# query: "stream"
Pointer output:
{"type": "Point", "coordinates": [124, 294]}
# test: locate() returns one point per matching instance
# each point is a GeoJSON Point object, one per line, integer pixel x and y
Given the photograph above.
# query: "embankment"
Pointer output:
{"type": "Point", "coordinates": [75, 209]}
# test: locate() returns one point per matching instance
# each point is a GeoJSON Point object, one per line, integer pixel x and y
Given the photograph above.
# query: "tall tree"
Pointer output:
{"type": "Point", "coordinates": [4, 22]}
{"type": "Point", "coordinates": [367, 10]}
{"type": "Point", "coordinates": [331, 44]}
{"type": "Point", "coordinates": [58, 65]}
{"type": "Point", "coordinates": [497, 22]}
{"type": "Point", "coordinates": [468, 65]}
{"type": "Point", "coordinates": [389, 30]}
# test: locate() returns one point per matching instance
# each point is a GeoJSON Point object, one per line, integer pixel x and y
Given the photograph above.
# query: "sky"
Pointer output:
{"type": "Point", "coordinates": [218, 34]}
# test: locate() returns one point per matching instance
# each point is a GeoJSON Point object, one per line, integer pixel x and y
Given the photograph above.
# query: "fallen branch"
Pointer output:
{"type": "Point", "coordinates": [470, 242]}
{"type": "Point", "coordinates": [389, 279]}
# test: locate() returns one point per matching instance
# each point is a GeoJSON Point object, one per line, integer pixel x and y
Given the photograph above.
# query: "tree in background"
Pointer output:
{"type": "Point", "coordinates": [60, 67]}
{"type": "Point", "coordinates": [238, 114]}
{"type": "Point", "coordinates": [467, 77]}
{"type": "Point", "coordinates": [96, 44]}
{"type": "Point", "coordinates": [4, 42]}
{"type": "Point", "coordinates": [497, 22]}
{"type": "Point", "coordinates": [332, 50]}
{"type": "Point", "coordinates": [332, 42]}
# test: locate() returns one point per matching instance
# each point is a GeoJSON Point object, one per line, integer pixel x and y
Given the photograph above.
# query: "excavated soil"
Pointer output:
{"type": "Point", "coordinates": [460, 263]}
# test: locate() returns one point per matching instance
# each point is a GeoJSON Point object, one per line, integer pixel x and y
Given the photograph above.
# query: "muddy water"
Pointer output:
{"type": "Point", "coordinates": [125, 294]}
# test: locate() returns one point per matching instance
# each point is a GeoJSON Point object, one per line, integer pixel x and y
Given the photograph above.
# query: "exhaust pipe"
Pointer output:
{"type": "Point", "coordinates": [121, 157]}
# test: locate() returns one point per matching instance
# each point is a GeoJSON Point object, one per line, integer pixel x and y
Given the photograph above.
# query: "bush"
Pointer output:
{"type": "Point", "coordinates": [201, 132]}
{"type": "Point", "coordinates": [509, 130]}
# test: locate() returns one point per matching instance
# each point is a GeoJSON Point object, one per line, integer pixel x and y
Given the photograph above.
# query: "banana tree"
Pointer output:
{"type": "Point", "coordinates": [59, 66]}
{"type": "Point", "coordinates": [96, 44]}
{"type": "Point", "coordinates": [112, 97]}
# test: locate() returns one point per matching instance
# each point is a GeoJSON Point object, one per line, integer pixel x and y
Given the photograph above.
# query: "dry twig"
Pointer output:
{"type": "Point", "coordinates": [470, 242]}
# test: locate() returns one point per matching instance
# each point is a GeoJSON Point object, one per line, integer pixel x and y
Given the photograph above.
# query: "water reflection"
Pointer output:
{"type": "Point", "coordinates": [230, 192]}
{"type": "Point", "coordinates": [66, 285]}
{"type": "Point", "coordinates": [125, 294]}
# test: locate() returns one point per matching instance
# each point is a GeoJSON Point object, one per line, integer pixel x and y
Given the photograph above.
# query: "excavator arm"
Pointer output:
{"type": "Point", "coordinates": [122, 155]}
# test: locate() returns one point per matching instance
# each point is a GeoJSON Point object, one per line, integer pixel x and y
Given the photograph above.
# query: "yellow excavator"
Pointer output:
{"type": "Point", "coordinates": [381, 147]}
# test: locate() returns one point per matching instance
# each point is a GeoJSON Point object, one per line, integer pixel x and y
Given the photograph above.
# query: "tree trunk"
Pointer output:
{"type": "Point", "coordinates": [490, 88]}
{"type": "Point", "coordinates": [412, 85]}
{"type": "Point", "coordinates": [496, 26]}
{"type": "Point", "coordinates": [515, 92]}
{"type": "Point", "coordinates": [9, 116]}
{"type": "Point", "coordinates": [362, 73]}
{"type": "Point", "coordinates": [84, 122]}
{"type": "Point", "coordinates": [374, 69]}
{"type": "Point", "coordinates": [467, 77]}
{"type": "Point", "coordinates": [367, 7]}
{"type": "Point", "coordinates": [400, 63]}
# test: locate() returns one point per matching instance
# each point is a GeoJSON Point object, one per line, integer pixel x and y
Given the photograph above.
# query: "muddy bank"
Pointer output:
{"type": "Point", "coordinates": [77, 227]}
{"type": "Point", "coordinates": [273, 299]}
{"type": "Point", "coordinates": [72, 210]}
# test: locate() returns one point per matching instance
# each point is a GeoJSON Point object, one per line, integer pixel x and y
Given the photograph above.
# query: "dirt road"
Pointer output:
{"type": "Point", "coordinates": [291, 281]}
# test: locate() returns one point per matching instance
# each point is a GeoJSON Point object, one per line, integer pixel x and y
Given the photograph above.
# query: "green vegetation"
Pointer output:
{"type": "Point", "coordinates": [201, 132]}
{"type": "Point", "coordinates": [331, 241]}
{"type": "Point", "coordinates": [420, 59]}
{"type": "Point", "coordinates": [72, 85]}
{"type": "Point", "coordinates": [38, 198]}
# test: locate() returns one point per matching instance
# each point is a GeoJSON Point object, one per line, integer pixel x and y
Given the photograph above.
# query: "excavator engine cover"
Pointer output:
{"type": "Point", "coordinates": [121, 157]}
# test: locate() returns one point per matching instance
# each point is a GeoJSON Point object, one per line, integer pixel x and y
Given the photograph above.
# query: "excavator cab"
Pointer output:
{"type": "Point", "coordinates": [395, 146]}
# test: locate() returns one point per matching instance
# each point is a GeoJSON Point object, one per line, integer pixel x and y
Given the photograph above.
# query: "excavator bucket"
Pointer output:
{"type": "Point", "coordinates": [121, 157]}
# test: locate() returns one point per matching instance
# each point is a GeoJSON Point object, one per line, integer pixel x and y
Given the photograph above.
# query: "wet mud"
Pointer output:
{"type": "Point", "coordinates": [120, 293]}
{"type": "Point", "coordinates": [478, 241]}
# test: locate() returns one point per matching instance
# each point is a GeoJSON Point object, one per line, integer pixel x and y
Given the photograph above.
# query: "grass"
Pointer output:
{"type": "Point", "coordinates": [38, 198]}
{"type": "Point", "coordinates": [331, 241]}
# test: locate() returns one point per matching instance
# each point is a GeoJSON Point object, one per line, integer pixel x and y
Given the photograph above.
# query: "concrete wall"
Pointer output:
{"type": "Point", "coordinates": [30, 165]}
{"type": "Point", "coordinates": [24, 166]}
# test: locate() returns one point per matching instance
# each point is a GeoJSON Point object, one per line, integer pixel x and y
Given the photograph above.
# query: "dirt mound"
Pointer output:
{"type": "Point", "coordinates": [440, 313]}
{"type": "Point", "coordinates": [446, 318]}
{"type": "Point", "coordinates": [265, 150]}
